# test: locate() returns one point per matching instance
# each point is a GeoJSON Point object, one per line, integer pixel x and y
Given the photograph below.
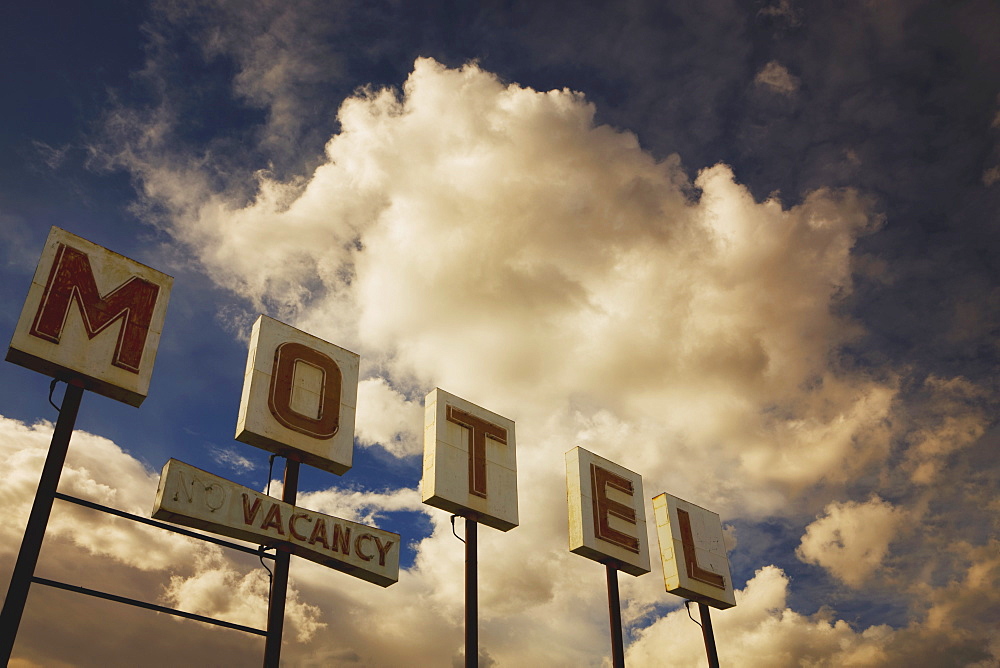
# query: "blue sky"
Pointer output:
{"type": "Point", "coordinates": [745, 250]}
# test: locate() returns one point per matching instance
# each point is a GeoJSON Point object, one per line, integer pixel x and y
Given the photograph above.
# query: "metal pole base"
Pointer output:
{"type": "Point", "coordinates": [34, 532]}
{"type": "Point", "coordinates": [279, 581]}
{"type": "Point", "coordinates": [471, 595]}
{"type": "Point", "coordinates": [615, 616]}
{"type": "Point", "coordinates": [709, 635]}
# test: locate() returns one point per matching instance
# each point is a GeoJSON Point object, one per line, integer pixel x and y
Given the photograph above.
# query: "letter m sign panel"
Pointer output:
{"type": "Point", "coordinates": [92, 316]}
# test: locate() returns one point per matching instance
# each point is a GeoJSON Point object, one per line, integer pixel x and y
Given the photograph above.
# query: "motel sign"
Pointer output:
{"type": "Point", "coordinates": [470, 466]}
{"type": "Point", "coordinates": [300, 396]}
{"type": "Point", "coordinates": [92, 316]}
{"type": "Point", "coordinates": [195, 498]}
{"type": "Point", "coordinates": [607, 512]}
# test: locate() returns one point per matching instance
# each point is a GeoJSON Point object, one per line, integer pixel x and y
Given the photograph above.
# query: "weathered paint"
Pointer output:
{"type": "Point", "coordinates": [189, 496]}
{"type": "Point", "coordinates": [470, 464]}
{"type": "Point", "coordinates": [92, 316]}
{"type": "Point", "coordinates": [299, 396]}
{"type": "Point", "coordinates": [607, 512]}
{"type": "Point", "coordinates": [693, 552]}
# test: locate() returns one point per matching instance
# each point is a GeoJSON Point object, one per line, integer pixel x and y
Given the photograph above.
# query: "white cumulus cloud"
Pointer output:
{"type": "Point", "coordinates": [761, 631]}
{"type": "Point", "coordinates": [851, 539]}
{"type": "Point", "coordinates": [388, 418]}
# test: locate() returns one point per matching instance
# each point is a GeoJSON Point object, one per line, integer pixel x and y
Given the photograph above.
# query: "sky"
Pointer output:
{"type": "Point", "coordinates": [747, 250]}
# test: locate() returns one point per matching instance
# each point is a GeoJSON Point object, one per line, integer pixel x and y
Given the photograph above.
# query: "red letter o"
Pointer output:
{"type": "Point", "coordinates": [279, 398]}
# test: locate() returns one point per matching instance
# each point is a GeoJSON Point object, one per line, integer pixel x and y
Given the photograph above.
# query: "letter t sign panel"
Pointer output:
{"type": "Point", "coordinates": [470, 467]}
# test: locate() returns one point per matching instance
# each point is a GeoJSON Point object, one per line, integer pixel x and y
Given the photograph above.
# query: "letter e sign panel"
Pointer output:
{"type": "Point", "coordinates": [470, 467]}
{"type": "Point", "coordinates": [607, 513]}
{"type": "Point", "coordinates": [94, 316]}
{"type": "Point", "coordinates": [300, 396]}
{"type": "Point", "coordinates": [695, 564]}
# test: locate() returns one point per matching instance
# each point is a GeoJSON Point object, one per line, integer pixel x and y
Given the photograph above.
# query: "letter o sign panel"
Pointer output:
{"type": "Point", "coordinates": [299, 396]}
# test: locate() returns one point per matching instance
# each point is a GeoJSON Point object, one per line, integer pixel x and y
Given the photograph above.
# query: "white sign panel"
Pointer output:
{"type": "Point", "coordinates": [93, 316]}
{"type": "Point", "coordinates": [695, 564]}
{"type": "Point", "coordinates": [470, 467]}
{"type": "Point", "coordinates": [607, 513]}
{"type": "Point", "coordinates": [300, 397]}
{"type": "Point", "coordinates": [189, 496]}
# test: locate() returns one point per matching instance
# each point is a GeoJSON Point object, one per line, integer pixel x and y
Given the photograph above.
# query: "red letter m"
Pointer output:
{"type": "Point", "coordinates": [132, 302]}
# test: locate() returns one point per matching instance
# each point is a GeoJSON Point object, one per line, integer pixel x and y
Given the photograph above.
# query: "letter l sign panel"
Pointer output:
{"type": "Point", "coordinates": [695, 564]}
{"type": "Point", "coordinates": [94, 316]}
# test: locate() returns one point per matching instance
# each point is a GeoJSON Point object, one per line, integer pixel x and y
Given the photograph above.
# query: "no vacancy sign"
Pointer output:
{"type": "Point", "coordinates": [196, 498]}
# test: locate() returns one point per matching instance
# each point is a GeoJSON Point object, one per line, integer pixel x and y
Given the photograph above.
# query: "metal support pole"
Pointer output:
{"type": "Point", "coordinates": [471, 596]}
{"type": "Point", "coordinates": [706, 631]}
{"type": "Point", "coordinates": [615, 614]}
{"type": "Point", "coordinates": [279, 582]}
{"type": "Point", "coordinates": [34, 532]}
{"type": "Point", "coordinates": [148, 606]}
